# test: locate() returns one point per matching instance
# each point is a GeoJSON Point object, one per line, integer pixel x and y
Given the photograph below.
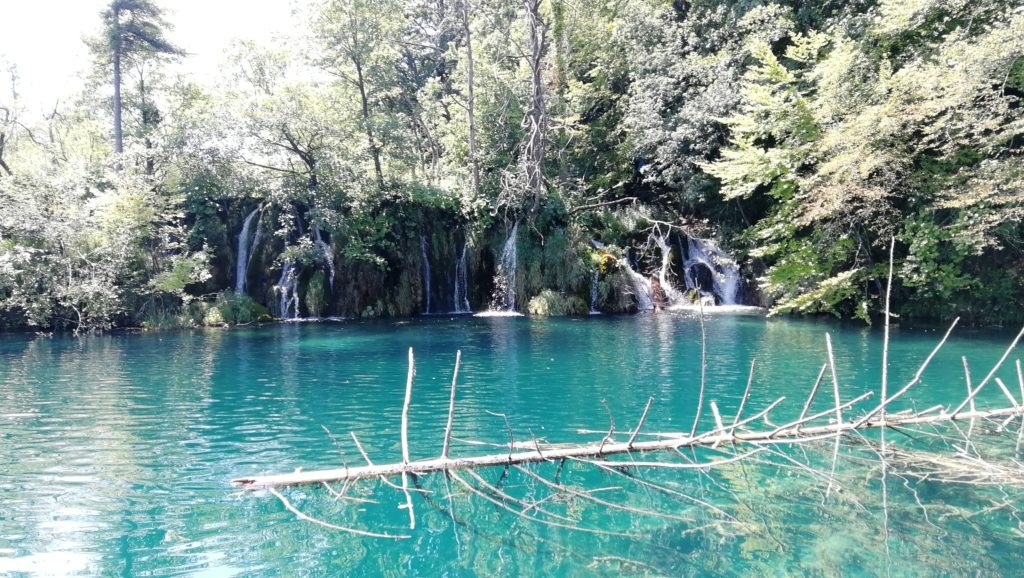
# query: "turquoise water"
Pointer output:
{"type": "Point", "coordinates": [116, 452]}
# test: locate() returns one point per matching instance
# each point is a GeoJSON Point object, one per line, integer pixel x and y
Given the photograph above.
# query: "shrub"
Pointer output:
{"type": "Point", "coordinates": [549, 303]}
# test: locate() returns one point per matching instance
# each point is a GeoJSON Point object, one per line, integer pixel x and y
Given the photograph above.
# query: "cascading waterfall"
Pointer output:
{"type": "Point", "coordinates": [425, 272]}
{"type": "Point", "coordinates": [593, 293]}
{"type": "Point", "coordinates": [504, 298]}
{"type": "Point", "coordinates": [328, 254]}
{"type": "Point", "coordinates": [288, 291]}
{"type": "Point", "coordinates": [461, 292]}
{"type": "Point", "coordinates": [674, 296]}
{"type": "Point", "coordinates": [247, 242]}
{"type": "Point", "coordinates": [706, 259]}
{"type": "Point", "coordinates": [641, 287]}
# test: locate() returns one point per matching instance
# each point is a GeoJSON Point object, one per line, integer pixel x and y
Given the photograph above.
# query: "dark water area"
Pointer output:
{"type": "Point", "coordinates": [116, 451]}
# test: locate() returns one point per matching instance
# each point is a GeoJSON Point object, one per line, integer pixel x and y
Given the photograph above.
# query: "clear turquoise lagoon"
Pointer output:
{"type": "Point", "coordinates": [116, 451]}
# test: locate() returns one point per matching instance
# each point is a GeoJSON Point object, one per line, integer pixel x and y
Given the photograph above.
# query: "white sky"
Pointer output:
{"type": "Point", "coordinates": [44, 37]}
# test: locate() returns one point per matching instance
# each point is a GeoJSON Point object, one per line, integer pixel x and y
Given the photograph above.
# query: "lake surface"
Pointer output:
{"type": "Point", "coordinates": [116, 452]}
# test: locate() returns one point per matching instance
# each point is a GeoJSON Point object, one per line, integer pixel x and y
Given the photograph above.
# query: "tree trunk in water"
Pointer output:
{"type": "Point", "coordinates": [535, 122]}
{"type": "Point", "coordinates": [471, 100]}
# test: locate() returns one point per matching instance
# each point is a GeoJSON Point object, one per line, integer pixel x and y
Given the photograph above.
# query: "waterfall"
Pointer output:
{"type": "Point", "coordinates": [641, 287]}
{"type": "Point", "coordinates": [425, 268]}
{"type": "Point", "coordinates": [461, 297]}
{"type": "Point", "coordinates": [246, 242]}
{"type": "Point", "coordinates": [708, 265]}
{"type": "Point", "coordinates": [593, 293]}
{"type": "Point", "coordinates": [674, 296]}
{"type": "Point", "coordinates": [328, 255]}
{"type": "Point", "coordinates": [504, 298]}
{"type": "Point", "coordinates": [288, 291]}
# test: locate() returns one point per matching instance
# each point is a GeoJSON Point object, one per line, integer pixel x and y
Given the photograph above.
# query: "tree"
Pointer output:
{"type": "Point", "coordinates": [359, 40]}
{"type": "Point", "coordinates": [474, 157]}
{"type": "Point", "coordinates": [535, 121]}
{"type": "Point", "coordinates": [8, 117]}
{"type": "Point", "coordinates": [132, 29]}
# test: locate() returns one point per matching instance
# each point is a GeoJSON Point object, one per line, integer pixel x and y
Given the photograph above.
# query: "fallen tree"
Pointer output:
{"type": "Point", "coordinates": [825, 425]}
{"type": "Point", "coordinates": [736, 441]}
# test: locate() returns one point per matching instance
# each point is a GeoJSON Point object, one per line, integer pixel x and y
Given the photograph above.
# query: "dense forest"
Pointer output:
{"type": "Point", "coordinates": [387, 159]}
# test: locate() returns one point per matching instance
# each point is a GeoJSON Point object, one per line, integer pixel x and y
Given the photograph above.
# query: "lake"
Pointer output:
{"type": "Point", "coordinates": [116, 451]}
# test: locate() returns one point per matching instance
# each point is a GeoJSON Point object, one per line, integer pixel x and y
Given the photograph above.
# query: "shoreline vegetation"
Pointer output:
{"type": "Point", "coordinates": [546, 157]}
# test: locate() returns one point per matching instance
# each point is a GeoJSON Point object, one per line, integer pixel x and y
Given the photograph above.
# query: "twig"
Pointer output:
{"type": "Point", "coordinates": [885, 338]}
{"type": "Point", "coordinates": [643, 417]}
{"type": "Point", "coordinates": [1006, 392]}
{"type": "Point", "coordinates": [718, 418]}
{"type": "Point", "coordinates": [675, 466]}
{"type": "Point", "coordinates": [967, 378]}
{"type": "Point", "coordinates": [988, 377]}
{"type": "Point", "coordinates": [835, 379]}
{"type": "Point", "coordinates": [916, 379]}
{"type": "Point", "coordinates": [1020, 381]}
{"type": "Point", "coordinates": [611, 426]}
{"type": "Point", "coordinates": [804, 420]}
{"type": "Point", "coordinates": [838, 410]}
{"type": "Point", "coordinates": [587, 496]}
{"type": "Point", "coordinates": [703, 370]}
{"type": "Point", "coordinates": [500, 504]}
{"type": "Point", "coordinates": [508, 427]}
{"type": "Point", "coordinates": [509, 498]}
{"type": "Point", "coordinates": [451, 407]}
{"type": "Point", "coordinates": [299, 514]}
{"type": "Point", "coordinates": [814, 390]}
{"type": "Point", "coordinates": [665, 490]}
{"type": "Point", "coordinates": [405, 440]}
{"type": "Point", "coordinates": [746, 394]}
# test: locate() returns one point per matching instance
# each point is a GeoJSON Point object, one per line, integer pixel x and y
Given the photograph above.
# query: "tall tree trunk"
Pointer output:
{"type": "Point", "coordinates": [374, 149]}
{"type": "Point", "coordinates": [3, 163]}
{"type": "Point", "coordinates": [471, 100]}
{"type": "Point", "coordinates": [149, 121]}
{"type": "Point", "coordinates": [535, 122]}
{"type": "Point", "coordinates": [118, 136]}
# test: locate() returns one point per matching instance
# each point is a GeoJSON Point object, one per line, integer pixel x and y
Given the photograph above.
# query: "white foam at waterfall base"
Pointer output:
{"type": "Point", "coordinates": [718, 309]}
{"type": "Point", "coordinates": [498, 314]}
{"type": "Point", "coordinates": [504, 298]}
{"type": "Point", "coordinates": [725, 273]}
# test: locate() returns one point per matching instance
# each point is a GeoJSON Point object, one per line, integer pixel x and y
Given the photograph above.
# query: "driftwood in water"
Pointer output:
{"type": "Point", "coordinates": [806, 428]}
{"type": "Point", "coordinates": [542, 453]}
{"type": "Point", "coordinates": [966, 465]}
{"type": "Point", "coordinates": [791, 432]}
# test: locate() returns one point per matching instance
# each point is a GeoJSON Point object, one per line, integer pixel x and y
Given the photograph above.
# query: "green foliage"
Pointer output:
{"type": "Point", "coordinates": [807, 134]}
{"type": "Point", "coordinates": [234, 309]}
{"type": "Point", "coordinates": [934, 264]}
{"type": "Point", "coordinates": [316, 294]}
{"type": "Point", "coordinates": [552, 304]}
